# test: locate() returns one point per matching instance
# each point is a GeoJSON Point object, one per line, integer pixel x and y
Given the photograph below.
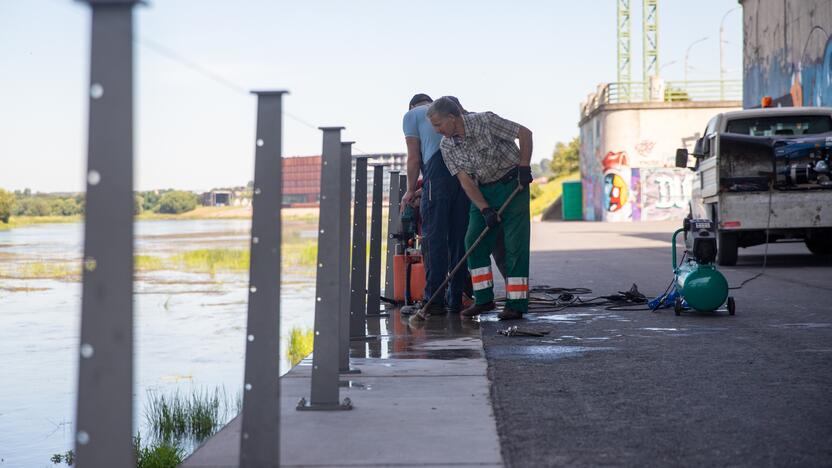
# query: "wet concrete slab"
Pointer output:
{"type": "Point", "coordinates": [421, 399]}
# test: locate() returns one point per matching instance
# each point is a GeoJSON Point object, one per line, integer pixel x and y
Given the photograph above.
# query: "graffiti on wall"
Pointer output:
{"type": "Point", "coordinates": [617, 177]}
{"type": "Point", "coordinates": [796, 71]}
{"type": "Point", "coordinates": [591, 172]}
{"type": "Point", "coordinates": [665, 193]}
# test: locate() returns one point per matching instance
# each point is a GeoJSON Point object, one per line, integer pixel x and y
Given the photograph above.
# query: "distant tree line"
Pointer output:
{"type": "Point", "coordinates": [26, 203]}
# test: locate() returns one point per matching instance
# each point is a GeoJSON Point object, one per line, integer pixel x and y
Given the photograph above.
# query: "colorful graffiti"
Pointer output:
{"type": "Point", "coordinates": [665, 193]}
{"type": "Point", "coordinates": [794, 72]}
{"type": "Point", "coordinates": [617, 176]}
{"type": "Point", "coordinates": [591, 172]}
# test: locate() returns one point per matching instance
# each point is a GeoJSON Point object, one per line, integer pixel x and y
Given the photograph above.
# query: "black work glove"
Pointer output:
{"type": "Point", "coordinates": [492, 219]}
{"type": "Point", "coordinates": [524, 175]}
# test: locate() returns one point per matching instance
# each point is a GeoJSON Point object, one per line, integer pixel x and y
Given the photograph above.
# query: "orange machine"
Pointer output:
{"type": "Point", "coordinates": [411, 260]}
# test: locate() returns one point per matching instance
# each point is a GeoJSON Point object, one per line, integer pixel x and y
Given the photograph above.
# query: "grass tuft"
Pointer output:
{"type": "Point", "coordinates": [178, 417]}
{"type": "Point", "coordinates": [300, 344]}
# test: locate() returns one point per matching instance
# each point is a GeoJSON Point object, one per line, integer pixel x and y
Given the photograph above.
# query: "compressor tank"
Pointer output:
{"type": "Point", "coordinates": [702, 286]}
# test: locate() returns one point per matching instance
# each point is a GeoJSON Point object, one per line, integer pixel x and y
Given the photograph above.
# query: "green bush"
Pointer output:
{"type": "Point", "coordinates": [566, 158]}
{"type": "Point", "coordinates": [33, 206]}
{"type": "Point", "coordinates": [138, 204]}
{"type": "Point", "coordinates": [6, 205]}
{"type": "Point", "coordinates": [177, 202]}
{"type": "Point", "coordinates": [162, 454]}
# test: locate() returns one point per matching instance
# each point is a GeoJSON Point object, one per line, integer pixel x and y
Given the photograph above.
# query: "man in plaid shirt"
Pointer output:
{"type": "Point", "coordinates": [479, 149]}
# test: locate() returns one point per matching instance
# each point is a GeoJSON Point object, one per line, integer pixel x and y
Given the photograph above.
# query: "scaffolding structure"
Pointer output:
{"type": "Point", "coordinates": [650, 39]}
{"type": "Point", "coordinates": [624, 69]}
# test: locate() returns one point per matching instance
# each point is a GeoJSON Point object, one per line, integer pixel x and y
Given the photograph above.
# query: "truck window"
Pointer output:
{"type": "Point", "coordinates": [781, 125]}
{"type": "Point", "coordinates": [711, 128]}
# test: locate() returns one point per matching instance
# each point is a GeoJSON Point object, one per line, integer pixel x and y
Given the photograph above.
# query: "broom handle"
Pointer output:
{"type": "Point", "coordinates": [470, 249]}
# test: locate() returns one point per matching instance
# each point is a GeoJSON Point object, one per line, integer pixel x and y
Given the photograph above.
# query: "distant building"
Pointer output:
{"type": "Point", "coordinates": [301, 180]}
{"type": "Point", "coordinates": [302, 177]}
{"type": "Point", "coordinates": [217, 198]}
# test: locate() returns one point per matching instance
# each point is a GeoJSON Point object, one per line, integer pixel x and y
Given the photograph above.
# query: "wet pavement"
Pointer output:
{"type": "Point", "coordinates": [421, 399]}
{"type": "Point", "coordinates": [642, 388]}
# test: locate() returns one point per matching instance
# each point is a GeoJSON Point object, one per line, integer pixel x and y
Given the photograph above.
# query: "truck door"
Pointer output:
{"type": "Point", "coordinates": [708, 171]}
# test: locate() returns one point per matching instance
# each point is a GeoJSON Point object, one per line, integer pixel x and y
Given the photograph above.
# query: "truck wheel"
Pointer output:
{"type": "Point", "coordinates": [819, 246]}
{"type": "Point", "coordinates": [726, 248]}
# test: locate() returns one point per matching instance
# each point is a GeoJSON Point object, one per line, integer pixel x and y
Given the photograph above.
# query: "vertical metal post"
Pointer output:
{"type": "Point", "coordinates": [324, 395]}
{"type": "Point", "coordinates": [344, 250]}
{"type": "Point", "coordinates": [402, 190]}
{"type": "Point", "coordinates": [374, 268]}
{"type": "Point", "coordinates": [392, 226]}
{"type": "Point", "coordinates": [358, 280]}
{"type": "Point", "coordinates": [260, 433]}
{"type": "Point", "coordinates": [104, 417]}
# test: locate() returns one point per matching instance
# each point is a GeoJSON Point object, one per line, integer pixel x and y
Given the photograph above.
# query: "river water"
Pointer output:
{"type": "Point", "coordinates": [189, 329]}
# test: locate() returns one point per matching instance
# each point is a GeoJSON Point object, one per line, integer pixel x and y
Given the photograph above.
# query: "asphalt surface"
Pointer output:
{"type": "Point", "coordinates": [639, 388]}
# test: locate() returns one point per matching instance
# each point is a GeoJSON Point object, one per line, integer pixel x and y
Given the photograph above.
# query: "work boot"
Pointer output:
{"type": "Point", "coordinates": [477, 309]}
{"type": "Point", "coordinates": [434, 309]}
{"type": "Point", "coordinates": [510, 314]}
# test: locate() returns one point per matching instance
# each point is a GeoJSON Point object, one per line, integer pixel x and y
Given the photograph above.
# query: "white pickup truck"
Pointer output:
{"type": "Point", "coordinates": [761, 170]}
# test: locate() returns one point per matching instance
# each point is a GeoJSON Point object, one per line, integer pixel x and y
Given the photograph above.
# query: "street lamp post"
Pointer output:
{"type": "Point", "coordinates": [687, 52]}
{"type": "Point", "coordinates": [721, 53]}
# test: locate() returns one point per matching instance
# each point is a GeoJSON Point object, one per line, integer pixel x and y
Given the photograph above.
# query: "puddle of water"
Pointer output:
{"type": "Point", "coordinates": [803, 325]}
{"type": "Point", "coordinates": [554, 351]}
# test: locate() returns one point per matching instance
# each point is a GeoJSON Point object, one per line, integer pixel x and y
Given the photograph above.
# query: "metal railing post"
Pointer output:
{"type": "Point", "coordinates": [358, 279]}
{"type": "Point", "coordinates": [374, 268]}
{"type": "Point", "coordinates": [392, 223]}
{"type": "Point", "coordinates": [104, 411]}
{"type": "Point", "coordinates": [325, 357]}
{"type": "Point", "coordinates": [344, 277]}
{"type": "Point", "coordinates": [260, 433]}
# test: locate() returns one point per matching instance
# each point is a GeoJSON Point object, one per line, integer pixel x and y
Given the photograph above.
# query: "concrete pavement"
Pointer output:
{"type": "Point", "coordinates": [421, 401]}
{"type": "Point", "coordinates": [638, 388]}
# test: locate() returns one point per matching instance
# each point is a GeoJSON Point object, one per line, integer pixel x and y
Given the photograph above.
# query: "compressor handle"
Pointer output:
{"type": "Point", "coordinates": [674, 247]}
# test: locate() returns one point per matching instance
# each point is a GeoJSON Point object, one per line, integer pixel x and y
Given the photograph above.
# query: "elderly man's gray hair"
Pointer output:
{"type": "Point", "coordinates": [443, 107]}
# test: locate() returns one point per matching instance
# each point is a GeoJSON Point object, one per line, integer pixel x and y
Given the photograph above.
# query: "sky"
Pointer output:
{"type": "Point", "coordinates": [350, 63]}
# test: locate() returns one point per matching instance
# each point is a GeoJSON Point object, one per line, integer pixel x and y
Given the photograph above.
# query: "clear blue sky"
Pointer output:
{"type": "Point", "coordinates": [353, 63]}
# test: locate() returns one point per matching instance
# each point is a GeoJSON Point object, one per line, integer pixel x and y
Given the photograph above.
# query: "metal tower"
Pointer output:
{"type": "Point", "coordinates": [624, 76]}
{"type": "Point", "coordinates": [650, 39]}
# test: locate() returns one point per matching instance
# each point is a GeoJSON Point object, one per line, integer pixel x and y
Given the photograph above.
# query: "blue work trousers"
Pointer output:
{"type": "Point", "coordinates": [444, 210]}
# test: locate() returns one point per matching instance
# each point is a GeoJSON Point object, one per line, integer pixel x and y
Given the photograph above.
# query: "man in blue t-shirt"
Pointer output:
{"type": "Point", "coordinates": [443, 208]}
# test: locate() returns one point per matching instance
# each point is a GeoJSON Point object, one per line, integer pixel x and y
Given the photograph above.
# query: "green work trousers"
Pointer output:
{"type": "Point", "coordinates": [515, 224]}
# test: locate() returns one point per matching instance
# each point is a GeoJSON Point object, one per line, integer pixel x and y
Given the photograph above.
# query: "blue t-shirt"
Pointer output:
{"type": "Point", "coordinates": [416, 124]}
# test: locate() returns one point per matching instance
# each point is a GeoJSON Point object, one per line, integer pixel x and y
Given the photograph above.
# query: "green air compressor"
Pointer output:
{"type": "Point", "coordinates": [698, 285]}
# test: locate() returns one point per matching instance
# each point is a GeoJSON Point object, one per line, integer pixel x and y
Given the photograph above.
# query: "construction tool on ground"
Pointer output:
{"type": "Point", "coordinates": [408, 267]}
{"type": "Point", "coordinates": [422, 314]}
{"type": "Point", "coordinates": [697, 284]}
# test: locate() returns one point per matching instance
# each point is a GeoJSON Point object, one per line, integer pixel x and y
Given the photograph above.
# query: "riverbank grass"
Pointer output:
{"type": "Point", "coordinates": [195, 416]}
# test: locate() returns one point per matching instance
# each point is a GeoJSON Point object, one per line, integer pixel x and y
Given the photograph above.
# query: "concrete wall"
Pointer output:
{"type": "Point", "coordinates": [628, 158]}
{"type": "Point", "coordinates": [787, 52]}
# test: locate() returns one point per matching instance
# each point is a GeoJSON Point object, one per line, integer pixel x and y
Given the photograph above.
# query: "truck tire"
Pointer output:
{"type": "Point", "coordinates": [726, 248]}
{"type": "Point", "coordinates": [819, 246]}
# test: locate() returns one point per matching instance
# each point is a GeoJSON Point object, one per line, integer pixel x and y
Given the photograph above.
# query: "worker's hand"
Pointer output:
{"type": "Point", "coordinates": [407, 199]}
{"type": "Point", "coordinates": [417, 198]}
{"type": "Point", "coordinates": [524, 175]}
{"type": "Point", "coordinates": [492, 219]}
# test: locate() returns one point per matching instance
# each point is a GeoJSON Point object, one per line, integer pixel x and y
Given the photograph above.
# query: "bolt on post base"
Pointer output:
{"type": "Point", "coordinates": [304, 405]}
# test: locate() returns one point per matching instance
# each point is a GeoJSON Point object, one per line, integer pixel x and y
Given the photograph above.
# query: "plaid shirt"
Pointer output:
{"type": "Point", "coordinates": [487, 151]}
